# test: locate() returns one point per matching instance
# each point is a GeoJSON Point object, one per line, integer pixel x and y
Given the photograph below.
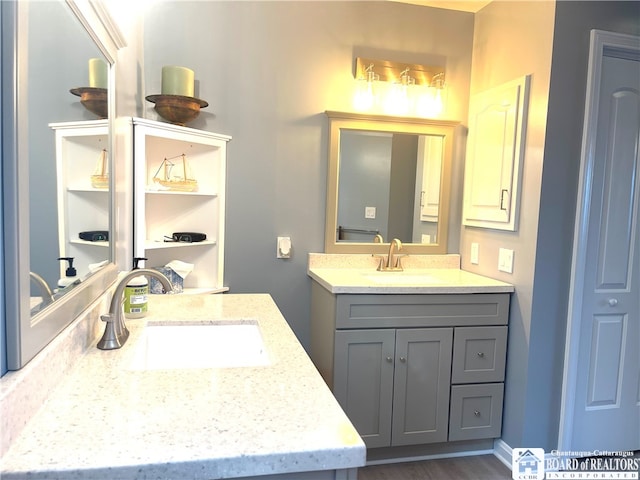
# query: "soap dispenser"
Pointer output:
{"type": "Point", "coordinates": [69, 274]}
{"type": "Point", "coordinates": [135, 294]}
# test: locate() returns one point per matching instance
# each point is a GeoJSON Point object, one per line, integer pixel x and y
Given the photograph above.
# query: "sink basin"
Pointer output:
{"type": "Point", "coordinates": [401, 278]}
{"type": "Point", "coordinates": [165, 346]}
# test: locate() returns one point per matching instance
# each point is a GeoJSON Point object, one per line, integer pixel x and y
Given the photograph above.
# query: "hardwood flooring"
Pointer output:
{"type": "Point", "coordinates": [480, 467]}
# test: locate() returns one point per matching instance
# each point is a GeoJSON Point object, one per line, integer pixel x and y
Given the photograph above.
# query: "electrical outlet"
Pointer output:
{"type": "Point", "coordinates": [283, 247]}
{"type": "Point", "coordinates": [369, 212]}
{"type": "Point", "coordinates": [505, 260]}
{"type": "Point", "coordinates": [475, 252]}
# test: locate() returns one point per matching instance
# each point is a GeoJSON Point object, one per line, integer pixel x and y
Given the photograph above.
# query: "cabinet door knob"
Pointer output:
{"type": "Point", "coordinates": [403, 359]}
{"type": "Point", "coordinates": [481, 354]}
{"type": "Point", "coordinates": [613, 302]}
{"type": "Point", "coordinates": [476, 413]}
{"type": "Point", "coordinates": [389, 359]}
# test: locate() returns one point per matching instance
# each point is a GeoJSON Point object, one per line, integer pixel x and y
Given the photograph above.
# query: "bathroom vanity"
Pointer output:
{"type": "Point", "coordinates": [123, 414]}
{"type": "Point", "coordinates": [415, 358]}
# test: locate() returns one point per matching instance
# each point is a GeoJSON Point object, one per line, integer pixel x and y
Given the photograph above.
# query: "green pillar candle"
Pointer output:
{"type": "Point", "coordinates": [97, 73]}
{"type": "Point", "coordinates": [177, 81]}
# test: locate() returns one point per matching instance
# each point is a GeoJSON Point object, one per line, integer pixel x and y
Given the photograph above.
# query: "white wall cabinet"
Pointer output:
{"type": "Point", "coordinates": [81, 206]}
{"type": "Point", "coordinates": [495, 155]}
{"type": "Point", "coordinates": [160, 211]}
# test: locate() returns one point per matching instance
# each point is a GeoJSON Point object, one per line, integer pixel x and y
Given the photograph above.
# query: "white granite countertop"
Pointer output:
{"type": "Point", "coordinates": [422, 274]}
{"type": "Point", "coordinates": [106, 420]}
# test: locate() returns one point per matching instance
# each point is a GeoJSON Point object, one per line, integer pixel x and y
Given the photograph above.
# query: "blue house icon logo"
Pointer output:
{"type": "Point", "coordinates": [527, 464]}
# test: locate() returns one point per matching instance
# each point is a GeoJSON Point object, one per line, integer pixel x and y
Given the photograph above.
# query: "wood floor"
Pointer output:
{"type": "Point", "coordinates": [481, 467]}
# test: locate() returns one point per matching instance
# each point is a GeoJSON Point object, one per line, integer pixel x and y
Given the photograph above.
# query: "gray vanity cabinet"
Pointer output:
{"type": "Point", "coordinates": [413, 369]}
{"type": "Point", "coordinates": [394, 383]}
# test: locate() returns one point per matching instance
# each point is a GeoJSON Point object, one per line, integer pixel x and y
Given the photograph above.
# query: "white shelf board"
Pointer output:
{"type": "Point", "coordinates": [154, 245]}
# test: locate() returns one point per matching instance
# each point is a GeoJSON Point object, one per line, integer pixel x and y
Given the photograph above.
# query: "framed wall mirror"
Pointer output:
{"type": "Point", "coordinates": [50, 46]}
{"type": "Point", "coordinates": [388, 177]}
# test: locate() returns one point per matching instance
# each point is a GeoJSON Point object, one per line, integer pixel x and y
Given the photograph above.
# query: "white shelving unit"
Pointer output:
{"type": "Point", "coordinates": [158, 213]}
{"type": "Point", "coordinates": [81, 207]}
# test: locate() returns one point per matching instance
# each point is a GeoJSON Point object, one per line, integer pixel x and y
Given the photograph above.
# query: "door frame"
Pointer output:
{"type": "Point", "coordinates": [601, 41]}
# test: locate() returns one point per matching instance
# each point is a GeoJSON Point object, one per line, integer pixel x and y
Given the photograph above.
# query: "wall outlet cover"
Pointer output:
{"type": "Point", "coordinates": [369, 212]}
{"type": "Point", "coordinates": [505, 260]}
{"type": "Point", "coordinates": [283, 247]}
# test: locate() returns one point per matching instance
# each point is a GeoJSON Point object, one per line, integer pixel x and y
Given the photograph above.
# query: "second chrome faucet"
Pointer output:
{"type": "Point", "coordinates": [116, 332]}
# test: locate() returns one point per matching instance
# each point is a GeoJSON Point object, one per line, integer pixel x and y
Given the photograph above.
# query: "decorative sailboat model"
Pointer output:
{"type": "Point", "coordinates": [100, 177]}
{"type": "Point", "coordinates": [175, 182]}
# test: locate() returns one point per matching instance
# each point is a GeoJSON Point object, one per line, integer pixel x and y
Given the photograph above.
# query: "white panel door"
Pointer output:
{"type": "Point", "coordinates": [495, 153]}
{"type": "Point", "coordinates": [607, 394]}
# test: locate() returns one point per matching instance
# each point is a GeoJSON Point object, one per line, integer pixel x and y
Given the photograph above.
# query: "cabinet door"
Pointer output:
{"type": "Point", "coordinates": [363, 381]}
{"type": "Point", "coordinates": [421, 390]}
{"type": "Point", "coordinates": [495, 153]}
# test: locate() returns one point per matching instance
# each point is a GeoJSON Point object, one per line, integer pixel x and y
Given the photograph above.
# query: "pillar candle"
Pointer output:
{"type": "Point", "coordinates": [177, 81]}
{"type": "Point", "coordinates": [97, 73]}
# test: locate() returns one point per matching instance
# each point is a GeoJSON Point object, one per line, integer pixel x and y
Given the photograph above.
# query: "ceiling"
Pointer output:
{"type": "Point", "coordinates": [462, 5]}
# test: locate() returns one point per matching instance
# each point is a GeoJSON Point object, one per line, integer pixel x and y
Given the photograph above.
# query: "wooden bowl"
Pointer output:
{"type": "Point", "coordinates": [93, 99]}
{"type": "Point", "coordinates": [176, 108]}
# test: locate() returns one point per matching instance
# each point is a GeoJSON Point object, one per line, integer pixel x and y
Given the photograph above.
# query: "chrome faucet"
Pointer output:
{"type": "Point", "coordinates": [116, 332]}
{"type": "Point", "coordinates": [45, 290]}
{"type": "Point", "coordinates": [392, 262]}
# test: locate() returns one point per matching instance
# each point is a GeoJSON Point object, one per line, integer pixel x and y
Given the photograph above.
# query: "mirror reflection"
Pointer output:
{"type": "Point", "coordinates": [64, 77]}
{"type": "Point", "coordinates": [398, 186]}
{"type": "Point", "coordinates": [388, 177]}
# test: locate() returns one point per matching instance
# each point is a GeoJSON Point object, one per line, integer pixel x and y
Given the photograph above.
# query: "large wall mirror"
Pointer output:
{"type": "Point", "coordinates": [388, 176]}
{"type": "Point", "coordinates": [58, 71]}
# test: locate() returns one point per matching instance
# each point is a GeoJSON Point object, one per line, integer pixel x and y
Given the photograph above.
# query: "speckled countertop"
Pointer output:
{"type": "Point", "coordinates": [435, 274]}
{"type": "Point", "coordinates": [106, 420]}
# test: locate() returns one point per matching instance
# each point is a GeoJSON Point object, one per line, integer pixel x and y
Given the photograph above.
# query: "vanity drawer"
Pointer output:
{"type": "Point", "coordinates": [479, 354]}
{"type": "Point", "coordinates": [476, 411]}
{"type": "Point", "coordinates": [405, 310]}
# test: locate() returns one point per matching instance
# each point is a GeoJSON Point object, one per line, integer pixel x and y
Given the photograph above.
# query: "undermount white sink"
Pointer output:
{"type": "Point", "coordinates": [401, 278]}
{"type": "Point", "coordinates": [165, 346]}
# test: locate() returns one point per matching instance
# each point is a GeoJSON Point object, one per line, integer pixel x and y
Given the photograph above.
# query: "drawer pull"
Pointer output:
{"type": "Point", "coordinates": [476, 413]}
{"type": "Point", "coordinates": [481, 354]}
{"type": "Point", "coordinates": [389, 359]}
{"type": "Point", "coordinates": [403, 359]}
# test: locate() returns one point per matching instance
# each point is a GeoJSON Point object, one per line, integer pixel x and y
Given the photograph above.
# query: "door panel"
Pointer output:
{"type": "Point", "coordinates": [421, 391]}
{"type": "Point", "coordinates": [363, 381]}
{"type": "Point", "coordinates": [606, 410]}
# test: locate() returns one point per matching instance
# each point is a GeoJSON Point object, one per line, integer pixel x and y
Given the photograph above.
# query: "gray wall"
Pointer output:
{"type": "Point", "coordinates": [573, 22]}
{"type": "Point", "coordinates": [365, 167]}
{"type": "Point", "coordinates": [269, 70]}
{"type": "Point", "coordinates": [511, 39]}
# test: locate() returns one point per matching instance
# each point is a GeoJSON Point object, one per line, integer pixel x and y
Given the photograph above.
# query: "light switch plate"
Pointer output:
{"type": "Point", "coordinates": [475, 253]}
{"type": "Point", "coordinates": [369, 212]}
{"type": "Point", "coordinates": [505, 260]}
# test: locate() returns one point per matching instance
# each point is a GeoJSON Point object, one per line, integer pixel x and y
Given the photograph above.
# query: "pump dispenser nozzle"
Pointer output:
{"type": "Point", "coordinates": [69, 274]}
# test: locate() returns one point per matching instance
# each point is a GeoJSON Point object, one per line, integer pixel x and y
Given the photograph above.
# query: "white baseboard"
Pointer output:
{"type": "Point", "coordinates": [430, 457]}
{"type": "Point", "coordinates": [503, 452]}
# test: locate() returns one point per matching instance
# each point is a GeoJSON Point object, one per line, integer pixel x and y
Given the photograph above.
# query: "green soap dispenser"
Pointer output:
{"type": "Point", "coordinates": [69, 274]}
{"type": "Point", "coordinates": [135, 294]}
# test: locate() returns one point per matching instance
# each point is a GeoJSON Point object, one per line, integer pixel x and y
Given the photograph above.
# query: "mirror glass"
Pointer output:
{"type": "Point", "coordinates": [388, 176]}
{"type": "Point", "coordinates": [56, 71]}
{"type": "Point", "coordinates": [46, 51]}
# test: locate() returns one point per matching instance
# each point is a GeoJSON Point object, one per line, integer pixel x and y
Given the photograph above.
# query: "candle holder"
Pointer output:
{"type": "Point", "coordinates": [177, 109]}
{"type": "Point", "coordinates": [93, 99]}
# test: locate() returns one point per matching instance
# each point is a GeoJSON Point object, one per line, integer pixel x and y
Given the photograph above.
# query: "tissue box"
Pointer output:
{"type": "Point", "coordinates": [176, 280]}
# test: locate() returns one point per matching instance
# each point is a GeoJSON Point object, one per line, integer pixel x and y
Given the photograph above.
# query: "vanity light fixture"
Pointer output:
{"type": "Point", "coordinates": [402, 89]}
